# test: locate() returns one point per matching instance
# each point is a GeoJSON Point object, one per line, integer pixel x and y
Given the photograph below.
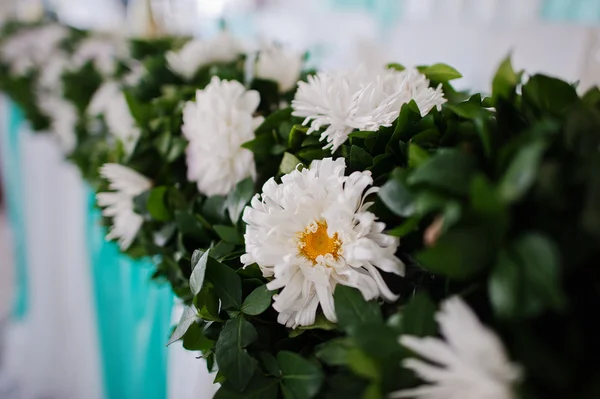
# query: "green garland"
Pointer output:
{"type": "Point", "coordinates": [495, 199]}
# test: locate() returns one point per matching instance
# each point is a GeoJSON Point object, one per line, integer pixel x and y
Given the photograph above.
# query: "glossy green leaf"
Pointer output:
{"type": "Point", "coordinates": [353, 311]}
{"type": "Point", "coordinates": [229, 234]}
{"type": "Point", "coordinates": [227, 284]}
{"type": "Point", "coordinates": [440, 72]}
{"type": "Point", "coordinates": [450, 170]}
{"type": "Point", "coordinates": [188, 317]}
{"type": "Point", "coordinates": [238, 198]}
{"type": "Point", "coordinates": [233, 359]}
{"type": "Point", "coordinates": [198, 271]}
{"type": "Point", "coordinates": [300, 379]}
{"type": "Point", "coordinates": [505, 80]}
{"type": "Point", "coordinates": [334, 352]}
{"type": "Point", "coordinates": [156, 204]}
{"type": "Point", "coordinates": [258, 301]}
{"type": "Point", "coordinates": [418, 316]}
{"type": "Point", "coordinates": [522, 171]}
{"type": "Point", "coordinates": [289, 163]}
{"type": "Point", "coordinates": [396, 196]}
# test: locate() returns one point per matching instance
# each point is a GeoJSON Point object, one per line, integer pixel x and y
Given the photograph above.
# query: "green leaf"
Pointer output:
{"type": "Point", "coordinates": [408, 226]}
{"type": "Point", "coordinates": [359, 159]}
{"type": "Point", "coordinates": [156, 204]}
{"type": "Point", "coordinates": [353, 311]}
{"type": "Point", "coordinates": [229, 234]}
{"type": "Point", "coordinates": [416, 155]}
{"type": "Point", "coordinates": [449, 170]}
{"type": "Point", "coordinates": [363, 365]}
{"type": "Point", "coordinates": [273, 121]}
{"type": "Point", "coordinates": [522, 171]}
{"type": "Point", "coordinates": [504, 286]}
{"type": "Point", "coordinates": [418, 316]}
{"type": "Point", "coordinates": [226, 282]}
{"type": "Point", "coordinates": [488, 206]}
{"type": "Point", "coordinates": [289, 163]}
{"type": "Point", "coordinates": [459, 254]}
{"type": "Point", "coordinates": [439, 72]}
{"type": "Point", "coordinates": [334, 352]}
{"type": "Point", "coordinates": [526, 279]}
{"type": "Point", "coordinates": [259, 387]}
{"type": "Point", "coordinates": [396, 66]}
{"type": "Point", "coordinates": [198, 272]}
{"type": "Point", "coordinates": [207, 304]}
{"type": "Point", "coordinates": [188, 317]}
{"type": "Point", "coordinates": [396, 196]}
{"type": "Point", "coordinates": [300, 379]}
{"type": "Point", "coordinates": [505, 80]}
{"type": "Point", "coordinates": [541, 266]}
{"type": "Point", "coordinates": [549, 95]}
{"type": "Point", "coordinates": [270, 364]}
{"type": "Point", "coordinates": [258, 301]}
{"type": "Point", "coordinates": [233, 359]}
{"type": "Point", "coordinates": [297, 136]}
{"type": "Point", "coordinates": [238, 198]}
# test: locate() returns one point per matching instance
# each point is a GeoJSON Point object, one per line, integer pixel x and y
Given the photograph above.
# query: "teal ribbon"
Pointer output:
{"type": "Point", "coordinates": [134, 318]}
{"type": "Point", "coordinates": [15, 202]}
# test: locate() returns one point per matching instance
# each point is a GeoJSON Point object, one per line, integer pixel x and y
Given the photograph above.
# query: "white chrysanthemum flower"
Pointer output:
{"type": "Point", "coordinates": [63, 117]}
{"type": "Point", "coordinates": [312, 232]}
{"type": "Point", "coordinates": [216, 125]}
{"type": "Point", "coordinates": [102, 51]}
{"type": "Point", "coordinates": [197, 53]}
{"type": "Point", "coordinates": [126, 184]}
{"type": "Point", "coordinates": [360, 100]}
{"type": "Point", "coordinates": [110, 102]}
{"type": "Point", "coordinates": [31, 48]}
{"type": "Point", "coordinates": [50, 77]}
{"type": "Point", "coordinates": [471, 363]}
{"type": "Point", "coordinates": [284, 67]}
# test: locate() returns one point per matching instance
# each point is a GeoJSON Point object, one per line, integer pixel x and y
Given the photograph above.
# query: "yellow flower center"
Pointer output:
{"type": "Point", "coordinates": [314, 242]}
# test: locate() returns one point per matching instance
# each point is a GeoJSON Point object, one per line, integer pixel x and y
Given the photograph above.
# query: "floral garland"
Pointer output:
{"type": "Point", "coordinates": [274, 199]}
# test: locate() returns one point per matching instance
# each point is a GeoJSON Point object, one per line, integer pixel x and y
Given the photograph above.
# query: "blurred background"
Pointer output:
{"type": "Point", "coordinates": [69, 331]}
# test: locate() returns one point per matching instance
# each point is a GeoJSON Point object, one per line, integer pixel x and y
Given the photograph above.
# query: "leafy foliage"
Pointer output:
{"type": "Point", "coordinates": [499, 205]}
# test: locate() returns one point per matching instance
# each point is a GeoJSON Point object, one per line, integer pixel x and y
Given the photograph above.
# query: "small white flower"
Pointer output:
{"type": "Point", "coordinates": [31, 48]}
{"type": "Point", "coordinates": [360, 100]}
{"type": "Point", "coordinates": [125, 184]}
{"type": "Point", "coordinates": [471, 363]}
{"type": "Point", "coordinates": [312, 232]}
{"type": "Point", "coordinates": [197, 53]}
{"type": "Point", "coordinates": [216, 125]}
{"type": "Point", "coordinates": [110, 102]}
{"type": "Point", "coordinates": [63, 117]}
{"type": "Point", "coordinates": [50, 77]}
{"type": "Point", "coordinates": [102, 51]}
{"type": "Point", "coordinates": [284, 67]}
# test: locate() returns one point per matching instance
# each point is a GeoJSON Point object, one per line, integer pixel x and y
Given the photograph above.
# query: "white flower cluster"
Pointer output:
{"type": "Point", "coordinates": [279, 65]}
{"type": "Point", "coordinates": [470, 363]}
{"type": "Point", "coordinates": [32, 48]}
{"type": "Point", "coordinates": [110, 102]}
{"type": "Point", "coordinates": [125, 184]}
{"type": "Point", "coordinates": [360, 100]}
{"type": "Point", "coordinates": [197, 53]}
{"type": "Point", "coordinates": [216, 125]}
{"type": "Point", "coordinates": [314, 231]}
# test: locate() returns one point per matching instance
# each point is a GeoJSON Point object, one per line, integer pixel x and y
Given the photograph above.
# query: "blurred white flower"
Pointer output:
{"type": "Point", "coordinates": [197, 53]}
{"type": "Point", "coordinates": [216, 125]}
{"type": "Point", "coordinates": [110, 102]}
{"type": "Point", "coordinates": [312, 232]}
{"type": "Point", "coordinates": [470, 363]}
{"type": "Point", "coordinates": [360, 100]}
{"type": "Point", "coordinates": [32, 47]}
{"type": "Point", "coordinates": [50, 77]}
{"type": "Point", "coordinates": [125, 184]}
{"type": "Point", "coordinates": [63, 117]}
{"type": "Point", "coordinates": [102, 51]}
{"type": "Point", "coordinates": [280, 65]}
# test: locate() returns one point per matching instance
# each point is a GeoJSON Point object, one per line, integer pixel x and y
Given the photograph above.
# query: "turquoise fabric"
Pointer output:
{"type": "Point", "coordinates": [15, 203]}
{"type": "Point", "coordinates": [579, 11]}
{"type": "Point", "coordinates": [133, 315]}
{"type": "Point", "coordinates": [386, 12]}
